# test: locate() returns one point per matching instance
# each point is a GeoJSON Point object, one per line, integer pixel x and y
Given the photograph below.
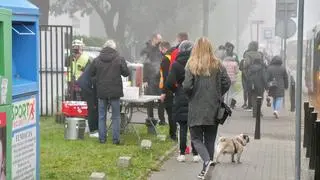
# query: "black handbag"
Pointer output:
{"type": "Point", "coordinates": [224, 111]}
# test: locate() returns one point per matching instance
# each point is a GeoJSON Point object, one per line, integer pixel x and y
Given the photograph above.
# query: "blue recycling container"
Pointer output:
{"type": "Point", "coordinates": [23, 160]}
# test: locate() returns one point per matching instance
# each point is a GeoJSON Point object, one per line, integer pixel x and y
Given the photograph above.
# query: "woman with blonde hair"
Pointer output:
{"type": "Point", "coordinates": [206, 81]}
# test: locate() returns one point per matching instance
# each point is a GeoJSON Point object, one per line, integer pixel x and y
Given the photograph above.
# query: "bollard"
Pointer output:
{"type": "Point", "coordinates": [314, 116]}
{"type": "Point", "coordinates": [308, 132]}
{"type": "Point", "coordinates": [317, 150]}
{"type": "Point", "coordinates": [292, 94]}
{"type": "Point", "coordinates": [306, 113]}
{"type": "Point", "coordinates": [257, 133]}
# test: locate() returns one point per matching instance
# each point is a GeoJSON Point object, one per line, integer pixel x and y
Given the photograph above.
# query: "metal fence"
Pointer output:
{"type": "Point", "coordinates": [55, 46]}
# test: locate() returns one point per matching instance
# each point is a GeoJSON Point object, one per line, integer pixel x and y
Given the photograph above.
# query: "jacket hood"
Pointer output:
{"type": "Point", "coordinates": [253, 46]}
{"type": "Point", "coordinates": [183, 57]}
{"type": "Point", "coordinates": [108, 54]}
{"type": "Point", "coordinates": [276, 61]}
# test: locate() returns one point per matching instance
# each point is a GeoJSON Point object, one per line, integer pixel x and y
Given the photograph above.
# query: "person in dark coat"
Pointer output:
{"type": "Point", "coordinates": [89, 94]}
{"type": "Point", "coordinates": [180, 106]}
{"type": "Point", "coordinates": [151, 72]}
{"type": "Point", "coordinates": [251, 54]}
{"type": "Point", "coordinates": [205, 83]}
{"type": "Point", "coordinates": [108, 68]}
{"type": "Point", "coordinates": [166, 97]}
{"type": "Point", "coordinates": [278, 74]}
{"type": "Point", "coordinates": [257, 82]}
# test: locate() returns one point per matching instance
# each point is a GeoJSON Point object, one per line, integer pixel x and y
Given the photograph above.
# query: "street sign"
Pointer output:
{"type": "Point", "coordinates": [283, 6]}
{"type": "Point", "coordinates": [268, 33]}
{"type": "Point", "coordinates": [291, 28]}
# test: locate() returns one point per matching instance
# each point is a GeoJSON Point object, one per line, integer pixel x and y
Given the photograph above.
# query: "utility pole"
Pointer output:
{"type": "Point", "coordinates": [258, 23]}
{"type": "Point", "coordinates": [238, 26]}
{"type": "Point", "coordinates": [299, 90]}
{"type": "Point", "coordinates": [206, 14]}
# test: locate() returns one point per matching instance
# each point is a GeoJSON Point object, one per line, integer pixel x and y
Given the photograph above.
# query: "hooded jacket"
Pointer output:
{"type": "Point", "coordinates": [107, 69]}
{"type": "Point", "coordinates": [252, 55]}
{"type": "Point", "coordinates": [174, 83]}
{"type": "Point", "coordinates": [278, 72]}
{"type": "Point", "coordinates": [257, 77]}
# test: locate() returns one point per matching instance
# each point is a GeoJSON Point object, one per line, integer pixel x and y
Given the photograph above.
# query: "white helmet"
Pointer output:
{"type": "Point", "coordinates": [78, 43]}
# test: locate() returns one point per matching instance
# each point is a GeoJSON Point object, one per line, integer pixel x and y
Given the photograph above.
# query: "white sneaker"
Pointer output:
{"type": "Point", "coordinates": [276, 114]}
{"type": "Point", "coordinates": [196, 158]}
{"type": "Point", "coordinates": [181, 158]}
{"type": "Point", "coordinates": [94, 135]}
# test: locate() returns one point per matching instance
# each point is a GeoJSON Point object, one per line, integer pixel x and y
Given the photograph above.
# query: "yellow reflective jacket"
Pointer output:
{"type": "Point", "coordinates": [77, 67]}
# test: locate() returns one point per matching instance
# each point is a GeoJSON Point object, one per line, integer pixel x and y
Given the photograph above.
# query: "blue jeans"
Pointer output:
{"type": "Point", "coordinates": [277, 102]}
{"type": "Point", "coordinates": [115, 106]}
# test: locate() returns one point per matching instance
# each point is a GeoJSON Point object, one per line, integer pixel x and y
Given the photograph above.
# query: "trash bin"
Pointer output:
{"type": "Point", "coordinates": [74, 128]}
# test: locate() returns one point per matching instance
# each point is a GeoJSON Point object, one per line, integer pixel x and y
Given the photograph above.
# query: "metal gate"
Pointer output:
{"type": "Point", "coordinates": [55, 46]}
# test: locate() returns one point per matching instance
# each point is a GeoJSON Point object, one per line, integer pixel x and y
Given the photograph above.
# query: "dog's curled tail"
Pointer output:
{"type": "Point", "coordinates": [222, 139]}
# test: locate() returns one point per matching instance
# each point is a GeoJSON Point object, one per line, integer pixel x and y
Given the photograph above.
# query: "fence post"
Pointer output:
{"type": "Point", "coordinates": [317, 150]}
{"type": "Point", "coordinates": [314, 116]}
{"type": "Point", "coordinates": [306, 116]}
{"type": "Point", "coordinates": [308, 133]}
{"type": "Point", "coordinates": [257, 133]}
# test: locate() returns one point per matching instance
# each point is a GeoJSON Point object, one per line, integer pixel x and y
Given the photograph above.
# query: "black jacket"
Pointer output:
{"type": "Point", "coordinates": [151, 68]}
{"type": "Point", "coordinates": [279, 73]}
{"type": "Point", "coordinates": [107, 68]}
{"type": "Point", "coordinates": [85, 81]}
{"type": "Point", "coordinates": [176, 78]}
{"type": "Point", "coordinates": [257, 77]}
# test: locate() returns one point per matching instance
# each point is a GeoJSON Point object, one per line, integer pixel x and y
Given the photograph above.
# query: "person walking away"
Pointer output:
{"type": "Point", "coordinates": [181, 104]}
{"type": "Point", "coordinates": [278, 82]}
{"type": "Point", "coordinates": [232, 69]}
{"type": "Point", "coordinates": [76, 64]}
{"type": "Point", "coordinates": [108, 69]}
{"type": "Point", "coordinates": [166, 94]}
{"type": "Point", "coordinates": [244, 84]}
{"type": "Point", "coordinates": [201, 84]}
{"type": "Point", "coordinates": [257, 78]}
{"type": "Point", "coordinates": [250, 56]}
{"type": "Point", "coordinates": [151, 68]}
{"type": "Point", "coordinates": [89, 94]}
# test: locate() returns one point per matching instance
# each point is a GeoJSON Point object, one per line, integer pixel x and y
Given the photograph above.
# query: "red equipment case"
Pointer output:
{"type": "Point", "coordinates": [75, 108]}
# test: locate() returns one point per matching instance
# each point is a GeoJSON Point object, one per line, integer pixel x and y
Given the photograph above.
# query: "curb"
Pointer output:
{"type": "Point", "coordinates": [159, 162]}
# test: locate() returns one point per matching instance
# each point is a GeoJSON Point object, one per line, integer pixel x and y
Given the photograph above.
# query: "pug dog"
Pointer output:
{"type": "Point", "coordinates": [233, 146]}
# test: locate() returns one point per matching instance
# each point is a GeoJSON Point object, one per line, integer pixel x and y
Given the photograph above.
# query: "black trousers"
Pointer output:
{"type": "Point", "coordinates": [203, 138]}
{"type": "Point", "coordinates": [245, 89]}
{"type": "Point", "coordinates": [254, 95]}
{"type": "Point", "coordinates": [92, 103]}
{"type": "Point", "coordinates": [183, 139]}
{"type": "Point", "coordinates": [165, 106]}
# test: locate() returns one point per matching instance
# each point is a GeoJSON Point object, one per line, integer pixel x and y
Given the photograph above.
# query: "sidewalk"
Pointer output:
{"type": "Point", "coordinates": [270, 158]}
